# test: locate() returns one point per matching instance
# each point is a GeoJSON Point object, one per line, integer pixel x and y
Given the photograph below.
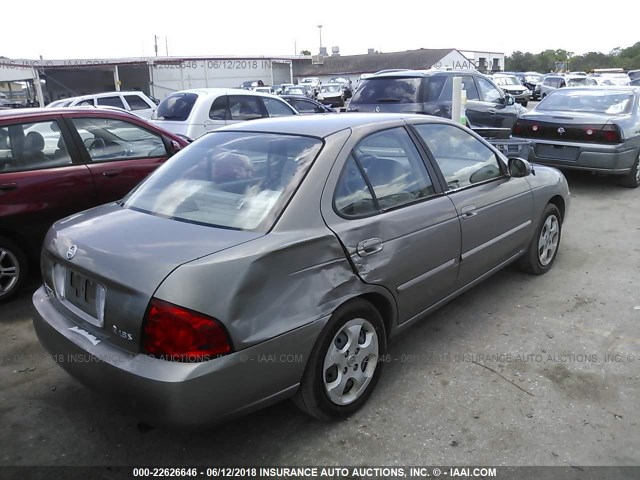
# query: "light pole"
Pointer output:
{"type": "Point", "coordinates": [320, 31]}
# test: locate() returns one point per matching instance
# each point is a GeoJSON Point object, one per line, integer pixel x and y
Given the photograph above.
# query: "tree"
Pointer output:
{"type": "Point", "coordinates": [305, 52]}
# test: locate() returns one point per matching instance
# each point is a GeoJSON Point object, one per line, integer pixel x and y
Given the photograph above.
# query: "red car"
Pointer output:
{"type": "Point", "coordinates": [56, 162]}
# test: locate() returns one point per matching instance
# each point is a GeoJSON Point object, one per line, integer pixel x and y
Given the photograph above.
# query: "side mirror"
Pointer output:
{"type": "Point", "coordinates": [509, 100]}
{"type": "Point", "coordinates": [519, 167]}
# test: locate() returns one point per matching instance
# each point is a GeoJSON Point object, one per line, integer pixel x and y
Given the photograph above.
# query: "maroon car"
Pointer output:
{"type": "Point", "coordinates": [56, 162]}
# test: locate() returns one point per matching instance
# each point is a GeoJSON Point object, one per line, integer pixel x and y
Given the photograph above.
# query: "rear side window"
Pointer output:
{"type": "Point", "coordinates": [389, 90]}
{"type": "Point", "coordinates": [114, 101]}
{"type": "Point", "coordinates": [176, 107]}
{"type": "Point", "coordinates": [276, 108]}
{"type": "Point", "coordinates": [220, 109]}
{"type": "Point", "coordinates": [136, 102]}
{"type": "Point", "coordinates": [32, 146]}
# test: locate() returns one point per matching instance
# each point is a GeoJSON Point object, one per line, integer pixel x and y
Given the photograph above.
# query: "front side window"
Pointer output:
{"type": "Point", "coordinates": [244, 107]}
{"type": "Point", "coordinates": [463, 159]}
{"type": "Point", "coordinates": [488, 92]}
{"type": "Point", "coordinates": [32, 146]}
{"type": "Point", "coordinates": [114, 101]}
{"type": "Point", "coordinates": [237, 180]}
{"type": "Point", "coordinates": [304, 106]}
{"type": "Point", "coordinates": [109, 140]}
{"type": "Point", "coordinates": [276, 108]}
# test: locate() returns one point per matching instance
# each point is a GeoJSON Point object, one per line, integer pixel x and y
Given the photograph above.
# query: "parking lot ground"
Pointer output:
{"type": "Point", "coordinates": [520, 370]}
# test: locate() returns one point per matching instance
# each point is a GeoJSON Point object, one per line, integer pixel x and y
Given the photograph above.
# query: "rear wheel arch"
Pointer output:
{"type": "Point", "coordinates": [384, 307]}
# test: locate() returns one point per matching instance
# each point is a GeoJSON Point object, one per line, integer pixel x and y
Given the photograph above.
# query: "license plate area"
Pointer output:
{"type": "Point", "coordinates": [557, 152]}
{"type": "Point", "coordinates": [85, 297]}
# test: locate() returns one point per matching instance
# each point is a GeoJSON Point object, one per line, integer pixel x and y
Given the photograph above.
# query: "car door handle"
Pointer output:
{"type": "Point", "coordinates": [369, 247]}
{"type": "Point", "coordinates": [492, 111]}
{"type": "Point", "coordinates": [5, 187]}
{"type": "Point", "coordinates": [468, 211]}
{"type": "Point", "coordinates": [111, 173]}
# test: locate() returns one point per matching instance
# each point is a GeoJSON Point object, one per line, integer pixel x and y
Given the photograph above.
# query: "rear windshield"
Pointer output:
{"type": "Point", "coordinates": [176, 107]}
{"type": "Point", "coordinates": [594, 101]}
{"type": "Point", "coordinates": [400, 90]}
{"type": "Point", "coordinates": [236, 180]}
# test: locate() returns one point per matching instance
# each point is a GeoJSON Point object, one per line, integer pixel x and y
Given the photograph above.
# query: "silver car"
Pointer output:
{"type": "Point", "coordinates": [589, 128]}
{"type": "Point", "coordinates": [277, 258]}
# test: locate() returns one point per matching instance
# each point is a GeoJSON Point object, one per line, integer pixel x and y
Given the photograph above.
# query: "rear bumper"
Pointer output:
{"type": "Point", "coordinates": [178, 394]}
{"type": "Point", "coordinates": [614, 159]}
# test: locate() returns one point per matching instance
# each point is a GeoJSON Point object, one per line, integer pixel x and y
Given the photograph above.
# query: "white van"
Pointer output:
{"type": "Point", "coordinates": [192, 113]}
{"type": "Point", "coordinates": [134, 102]}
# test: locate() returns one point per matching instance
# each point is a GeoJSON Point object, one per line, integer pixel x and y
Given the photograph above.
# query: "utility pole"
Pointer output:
{"type": "Point", "coordinates": [155, 44]}
{"type": "Point", "coordinates": [166, 45]}
{"type": "Point", "coordinates": [320, 30]}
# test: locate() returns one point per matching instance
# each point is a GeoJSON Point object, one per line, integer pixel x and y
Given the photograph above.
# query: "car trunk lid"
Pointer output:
{"type": "Point", "coordinates": [112, 259]}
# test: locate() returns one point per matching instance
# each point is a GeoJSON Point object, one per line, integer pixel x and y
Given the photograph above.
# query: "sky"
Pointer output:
{"type": "Point", "coordinates": [70, 29]}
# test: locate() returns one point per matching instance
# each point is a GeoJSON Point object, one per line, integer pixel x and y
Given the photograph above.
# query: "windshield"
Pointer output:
{"type": "Point", "coordinates": [331, 88]}
{"type": "Point", "coordinates": [593, 101]}
{"type": "Point", "coordinates": [533, 78]}
{"type": "Point", "coordinates": [506, 81]}
{"type": "Point", "coordinates": [234, 180]}
{"type": "Point", "coordinates": [176, 107]}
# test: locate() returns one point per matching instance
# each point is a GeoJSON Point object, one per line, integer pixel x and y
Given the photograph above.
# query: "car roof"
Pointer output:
{"type": "Point", "coordinates": [104, 94]}
{"type": "Point", "coordinates": [422, 73]}
{"type": "Point", "coordinates": [602, 88]}
{"type": "Point", "coordinates": [207, 92]}
{"type": "Point", "coordinates": [21, 113]}
{"type": "Point", "coordinates": [323, 125]}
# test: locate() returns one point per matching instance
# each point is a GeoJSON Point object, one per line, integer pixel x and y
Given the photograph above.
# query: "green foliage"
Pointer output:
{"type": "Point", "coordinates": [305, 52]}
{"type": "Point", "coordinates": [544, 62]}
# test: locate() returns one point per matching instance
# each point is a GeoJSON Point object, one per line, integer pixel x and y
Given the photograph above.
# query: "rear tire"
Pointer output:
{"type": "Point", "coordinates": [632, 179]}
{"type": "Point", "coordinates": [544, 246]}
{"type": "Point", "coordinates": [13, 269]}
{"type": "Point", "coordinates": [524, 104]}
{"type": "Point", "coordinates": [343, 368]}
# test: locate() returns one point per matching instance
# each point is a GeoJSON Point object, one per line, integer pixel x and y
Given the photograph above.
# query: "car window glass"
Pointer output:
{"type": "Point", "coordinates": [176, 106]}
{"type": "Point", "coordinates": [109, 140]}
{"type": "Point", "coordinates": [436, 87]}
{"type": "Point", "coordinates": [394, 168]}
{"type": "Point", "coordinates": [352, 196]}
{"type": "Point", "coordinates": [276, 108]}
{"type": "Point", "coordinates": [86, 103]}
{"type": "Point", "coordinates": [219, 110]}
{"type": "Point", "coordinates": [32, 146]}
{"type": "Point", "coordinates": [469, 86]}
{"type": "Point", "coordinates": [244, 107]}
{"type": "Point", "coordinates": [304, 106]}
{"type": "Point", "coordinates": [238, 180]}
{"type": "Point", "coordinates": [114, 101]}
{"type": "Point", "coordinates": [488, 92]}
{"type": "Point", "coordinates": [136, 102]}
{"type": "Point", "coordinates": [462, 158]}
{"type": "Point", "coordinates": [388, 90]}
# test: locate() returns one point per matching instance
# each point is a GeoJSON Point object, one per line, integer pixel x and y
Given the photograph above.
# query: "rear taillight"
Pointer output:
{"type": "Point", "coordinates": [178, 334]}
{"type": "Point", "coordinates": [608, 134]}
{"type": "Point", "coordinates": [517, 129]}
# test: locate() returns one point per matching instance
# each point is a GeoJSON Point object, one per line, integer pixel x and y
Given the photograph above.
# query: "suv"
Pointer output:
{"type": "Point", "coordinates": [552, 82]}
{"type": "Point", "coordinates": [192, 113]}
{"type": "Point", "coordinates": [489, 111]}
{"type": "Point", "coordinates": [135, 102]}
{"type": "Point", "coordinates": [56, 162]}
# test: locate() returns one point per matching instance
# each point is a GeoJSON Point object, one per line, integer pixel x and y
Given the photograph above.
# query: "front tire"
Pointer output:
{"type": "Point", "coordinates": [542, 251]}
{"type": "Point", "coordinates": [13, 269]}
{"type": "Point", "coordinates": [343, 368]}
{"type": "Point", "coordinates": [632, 179]}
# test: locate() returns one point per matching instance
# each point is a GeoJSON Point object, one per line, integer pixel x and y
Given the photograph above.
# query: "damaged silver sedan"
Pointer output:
{"type": "Point", "coordinates": [277, 258]}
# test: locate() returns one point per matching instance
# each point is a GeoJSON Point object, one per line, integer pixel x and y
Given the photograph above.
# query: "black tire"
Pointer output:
{"type": "Point", "coordinates": [524, 104]}
{"type": "Point", "coordinates": [632, 179]}
{"type": "Point", "coordinates": [11, 257]}
{"type": "Point", "coordinates": [530, 262]}
{"type": "Point", "coordinates": [312, 397]}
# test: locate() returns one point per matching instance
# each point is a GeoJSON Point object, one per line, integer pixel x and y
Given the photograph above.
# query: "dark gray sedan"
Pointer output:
{"type": "Point", "coordinates": [588, 128]}
{"type": "Point", "coordinates": [277, 258]}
